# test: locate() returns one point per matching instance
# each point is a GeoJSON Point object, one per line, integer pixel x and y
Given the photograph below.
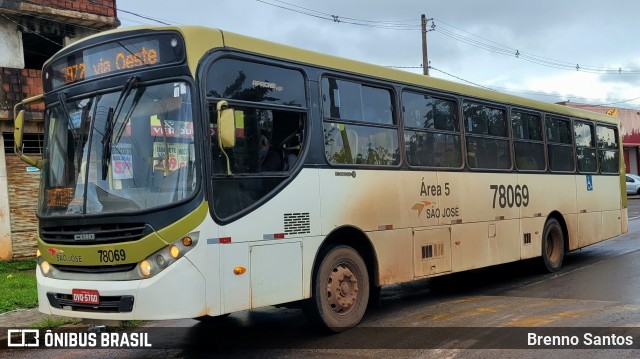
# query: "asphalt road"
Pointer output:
{"type": "Point", "coordinates": [455, 316]}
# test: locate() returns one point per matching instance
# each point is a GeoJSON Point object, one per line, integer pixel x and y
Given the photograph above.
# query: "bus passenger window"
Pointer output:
{"type": "Point", "coordinates": [487, 137]}
{"type": "Point", "coordinates": [608, 151]}
{"type": "Point", "coordinates": [585, 147]}
{"type": "Point", "coordinates": [432, 134]}
{"type": "Point", "coordinates": [559, 144]}
{"type": "Point", "coordinates": [351, 144]}
{"type": "Point", "coordinates": [266, 141]}
{"type": "Point", "coordinates": [373, 138]}
{"type": "Point", "coordinates": [528, 144]}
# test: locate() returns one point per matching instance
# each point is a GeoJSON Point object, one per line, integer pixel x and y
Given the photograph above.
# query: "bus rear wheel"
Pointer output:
{"type": "Point", "coordinates": [340, 290]}
{"type": "Point", "coordinates": [552, 245]}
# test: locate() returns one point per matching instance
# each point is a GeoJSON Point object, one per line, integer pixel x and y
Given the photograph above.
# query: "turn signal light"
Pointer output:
{"type": "Point", "coordinates": [187, 241]}
{"type": "Point", "coordinates": [239, 270]}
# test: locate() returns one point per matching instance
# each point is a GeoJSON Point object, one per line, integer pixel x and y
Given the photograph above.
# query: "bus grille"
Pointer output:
{"type": "Point", "coordinates": [97, 269]}
{"type": "Point", "coordinates": [103, 233]}
{"type": "Point", "coordinates": [109, 304]}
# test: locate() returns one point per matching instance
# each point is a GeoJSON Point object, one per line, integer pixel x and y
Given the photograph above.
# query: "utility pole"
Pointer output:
{"type": "Point", "coordinates": [425, 59]}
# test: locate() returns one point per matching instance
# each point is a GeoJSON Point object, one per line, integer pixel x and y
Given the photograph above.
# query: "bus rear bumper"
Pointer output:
{"type": "Point", "coordinates": [177, 292]}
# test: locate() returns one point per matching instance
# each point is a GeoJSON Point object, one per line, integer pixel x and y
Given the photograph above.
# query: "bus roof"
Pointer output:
{"type": "Point", "coordinates": [199, 40]}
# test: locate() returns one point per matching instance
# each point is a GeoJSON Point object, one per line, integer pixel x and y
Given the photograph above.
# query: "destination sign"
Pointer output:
{"type": "Point", "coordinates": [114, 57]}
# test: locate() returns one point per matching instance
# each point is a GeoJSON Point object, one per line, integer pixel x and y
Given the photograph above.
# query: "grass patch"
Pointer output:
{"type": "Point", "coordinates": [18, 285]}
{"type": "Point", "coordinates": [53, 322]}
{"type": "Point", "coordinates": [132, 323]}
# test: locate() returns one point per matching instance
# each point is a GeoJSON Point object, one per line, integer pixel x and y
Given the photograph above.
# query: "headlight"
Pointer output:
{"type": "Point", "coordinates": [174, 251]}
{"type": "Point", "coordinates": [45, 267]}
{"type": "Point", "coordinates": [145, 268]}
{"type": "Point", "coordinates": [166, 256]}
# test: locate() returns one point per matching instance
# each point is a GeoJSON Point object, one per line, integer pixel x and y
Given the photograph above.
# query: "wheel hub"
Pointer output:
{"type": "Point", "coordinates": [342, 289]}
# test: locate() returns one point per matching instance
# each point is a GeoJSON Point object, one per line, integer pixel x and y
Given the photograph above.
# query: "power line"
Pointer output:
{"type": "Point", "coordinates": [459, 35]}
{"type": "Point", "coordinates": [115, 9]}
{"type": "Point", "coordinates": [344, 17]}
{"type": "Point", "coordinates": [461, 79]}
{"type": "Point", "coordinates": [24, 29]}
{"type": "Point", "coordinates": [389, 25]}
{"type": "Point", "coordinates": [615, 103]}
{"type": "Point", "coordinates": [505, 50]}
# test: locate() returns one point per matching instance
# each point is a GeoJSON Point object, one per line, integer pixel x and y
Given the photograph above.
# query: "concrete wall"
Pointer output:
{"type": "Point", "coordinates": [98, 7]}
{"type": "Point", "coordinates": [11, 46]}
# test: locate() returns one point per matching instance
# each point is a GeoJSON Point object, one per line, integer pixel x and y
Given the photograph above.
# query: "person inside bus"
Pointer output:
{"type": "Point", "coordinates": [270, 160]}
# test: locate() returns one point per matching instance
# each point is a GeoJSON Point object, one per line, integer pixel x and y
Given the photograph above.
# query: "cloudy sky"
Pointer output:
{"type": "Point", "coordinates": [528, 48]}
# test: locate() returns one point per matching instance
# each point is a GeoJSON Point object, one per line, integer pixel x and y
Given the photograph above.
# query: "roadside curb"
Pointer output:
{"type": "Point", "coordinates": [21, 318]}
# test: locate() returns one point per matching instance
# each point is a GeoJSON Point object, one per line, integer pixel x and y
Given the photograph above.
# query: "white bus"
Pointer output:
{"type": "Point", "coordinates": [191, 172]}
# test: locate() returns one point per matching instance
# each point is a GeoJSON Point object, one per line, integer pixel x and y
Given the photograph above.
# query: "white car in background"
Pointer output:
{"type": "Point", "coordinates": [633, 184]}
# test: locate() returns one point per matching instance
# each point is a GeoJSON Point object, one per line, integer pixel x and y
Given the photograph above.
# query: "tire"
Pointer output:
{"type": "Point", "coordinates": [552, 245]}
{"type": "Point", "coordinates": [340, 290]}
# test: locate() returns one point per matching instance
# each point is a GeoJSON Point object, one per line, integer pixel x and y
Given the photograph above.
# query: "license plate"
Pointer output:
{"type": "Point", "coordinates": [85, 296]}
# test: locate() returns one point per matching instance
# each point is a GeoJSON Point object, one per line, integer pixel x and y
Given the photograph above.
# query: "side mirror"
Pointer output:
{"type": "Point", "coordinates": [226, 131]}
{"type": "Point", "coordinates": [18, 120]}
{"type": "Point", "coordinates": [226, 126]}
{"type": "Point", "coordinates": [18, 123]}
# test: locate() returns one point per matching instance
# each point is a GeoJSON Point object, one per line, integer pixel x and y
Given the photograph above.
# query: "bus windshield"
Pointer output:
{"type": "Point", "coordinates": [127, 150]}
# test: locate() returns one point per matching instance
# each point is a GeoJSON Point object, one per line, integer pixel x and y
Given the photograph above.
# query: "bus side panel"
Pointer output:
{"type": "Point", "coordinates": [310, 246]}
{"type": "Point", "coordinates": [300, 197]}
{"type": "Point", "coordinates": [259, 228]}
{"type": "Point", "coordinates": [273, 283]}
{"type": "Point", "coordinates": [206, 257]}
{"type": "Point", "coordinates": [394, 250]}
{"type": "Point", "coordinates": [476, 197]}
{"type": "Point", "coordinates": [551, 193]}
{"type": "Point", "coordinates": [532, 228]}
{"type": "Point", "coordinates": [548, 193]}
{"type": "Point", "coordinates": [432, 251]}
{"type": "Point", "coordinates": [611, 223]}
{"type": "Point", "coordinates": [589, 228]}
{"type": "Point", "coordinates": [603, 193]}
{"type": "Point", "coordinates": [598, 206]}
{"type": "Point", "coordinates": [366, 199]}
{"type": "Point", "coordinates": [482, 244]}
{"type": "Point", "coordinates": [236, 289]}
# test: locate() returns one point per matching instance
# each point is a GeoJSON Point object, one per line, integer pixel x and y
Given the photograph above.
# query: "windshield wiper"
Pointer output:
{"type": "Point", "coordinates": [62, 98]}
{"type": "Point", "coordinates": [112, 117]}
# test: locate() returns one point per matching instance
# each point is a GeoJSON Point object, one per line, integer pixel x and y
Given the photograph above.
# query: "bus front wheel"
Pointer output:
{"type": "Point", "coordinates": [552, 245]}
{"type": "Point", "coordinates": [340, 290]}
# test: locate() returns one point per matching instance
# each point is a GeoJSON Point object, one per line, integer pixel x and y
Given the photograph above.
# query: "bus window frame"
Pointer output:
{"type": "Point", "coordinates": [541, 141]}
{"type": "Point", "coordinates": [616, 132]}
{"type": "Point", "coordinates": [149, 77]}
{"type": "Point", "coordinates": [437, 95]}
{"type": "Point", "coordinates": [467, 134]}
{"type": "Point", "coordinates": [204, 68]}
{"type": "Point", "coordinates": [572, 145]}
{"type": "Point", "coordinates": [395, 117]}
{"type": "Point", "coordinates": [595, 144]}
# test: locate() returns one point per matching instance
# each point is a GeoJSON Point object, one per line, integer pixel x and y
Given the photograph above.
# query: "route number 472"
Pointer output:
{"type": "Point", "coordinates": [510, 196]}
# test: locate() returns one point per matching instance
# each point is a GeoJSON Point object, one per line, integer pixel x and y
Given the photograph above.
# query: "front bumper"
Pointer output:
{"type": "Point", "coordinates": [176, 292]}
